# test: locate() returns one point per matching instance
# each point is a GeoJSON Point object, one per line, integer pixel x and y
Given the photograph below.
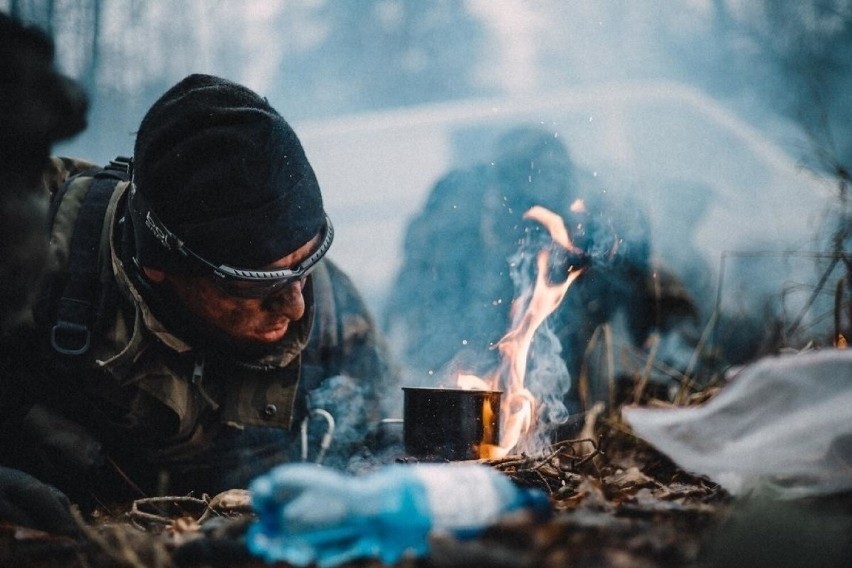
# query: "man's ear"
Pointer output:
{"type": "Point", "coordinates": [154, 275]}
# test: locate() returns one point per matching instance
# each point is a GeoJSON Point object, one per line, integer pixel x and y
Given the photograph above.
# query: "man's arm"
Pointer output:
{"type": "Point", "coordinates": [27, 502]}
{"type": "Point", "coordinates": [361, 351]}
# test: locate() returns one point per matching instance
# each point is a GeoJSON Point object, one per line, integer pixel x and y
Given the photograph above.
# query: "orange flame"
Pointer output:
{"type": "Point", "coordinates": [518, 406]}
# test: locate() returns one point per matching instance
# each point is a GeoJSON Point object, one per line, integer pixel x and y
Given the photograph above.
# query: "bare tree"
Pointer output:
{"type": "Point", "coordinates": [808, 45]}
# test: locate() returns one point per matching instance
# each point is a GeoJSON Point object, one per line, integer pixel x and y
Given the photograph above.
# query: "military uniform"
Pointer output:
{"type": "Point", "coordinates": [175, 414]}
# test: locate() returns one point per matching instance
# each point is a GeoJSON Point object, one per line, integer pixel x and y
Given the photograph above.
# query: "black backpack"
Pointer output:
{"type": "Point", "coordinates": [78, 290]}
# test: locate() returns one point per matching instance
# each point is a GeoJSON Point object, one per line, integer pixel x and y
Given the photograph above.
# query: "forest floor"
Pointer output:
{"type": "Point", "coordinates": [616, 502]}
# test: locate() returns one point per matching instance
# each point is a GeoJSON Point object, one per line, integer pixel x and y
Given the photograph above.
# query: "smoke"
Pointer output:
{"type": "Point", "coordinates": [547, 379]}
{"type": "Point", "coordinates": [358, 441]}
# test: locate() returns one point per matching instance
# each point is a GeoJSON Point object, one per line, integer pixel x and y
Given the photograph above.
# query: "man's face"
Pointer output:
{"type": "Point", "coordinates": [263, 320]}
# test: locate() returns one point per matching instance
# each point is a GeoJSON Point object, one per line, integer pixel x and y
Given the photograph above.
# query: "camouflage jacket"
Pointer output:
{"type": "Point", "coordinates": [153, 400]}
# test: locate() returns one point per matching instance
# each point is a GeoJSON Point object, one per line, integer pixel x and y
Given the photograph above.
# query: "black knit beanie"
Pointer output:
{"type": "Point", "coordinates": [225, 173]}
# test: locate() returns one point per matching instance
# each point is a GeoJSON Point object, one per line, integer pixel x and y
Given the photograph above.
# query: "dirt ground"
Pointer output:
{"type": "Point", "coordinates": [615, 502]}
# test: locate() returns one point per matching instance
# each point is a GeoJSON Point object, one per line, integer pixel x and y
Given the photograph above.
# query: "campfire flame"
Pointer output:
{"type": "Point", "coordinates": [529, 311]}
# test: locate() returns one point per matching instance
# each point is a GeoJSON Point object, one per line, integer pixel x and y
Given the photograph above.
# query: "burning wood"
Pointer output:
{"type": "Point", "coordinates": [616, 465]}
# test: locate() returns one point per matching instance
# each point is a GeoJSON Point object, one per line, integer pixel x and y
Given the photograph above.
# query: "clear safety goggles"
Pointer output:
{"type": "Point", "coordinates": [243, 282]}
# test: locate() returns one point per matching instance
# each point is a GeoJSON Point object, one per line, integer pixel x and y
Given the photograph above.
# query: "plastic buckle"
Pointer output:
{"type": "Point", "coordinates": [66, 332]}
{"type": "Point", "coordinates": [122, 164]}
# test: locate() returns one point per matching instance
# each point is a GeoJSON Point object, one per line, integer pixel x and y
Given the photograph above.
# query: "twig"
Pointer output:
{"type": "Point", "coordinates": [610, 363]}
{"type": "Point", "coordinates": [507, 463]}
{"type": "Point", "coordinates": [561, 446]}
{"type": "Point", "coordinates": [543, 480]}
{"type": "Point", "coordinates": [838, 310]}
{"type": "Point", "coordinates": [125, 477]}
{"type": "Point", "coordinates": [583, 384]}
{"type": "Point", "coordinates": [812, 298]}
{"type": "Point", "coordinates": [646, 372]}
{"type": "Point", "coordinates": [137, 515]}
{"type": "Point", "coordinates": [589, 457]}
{"type": "Point", "coordinates": [702, 341]}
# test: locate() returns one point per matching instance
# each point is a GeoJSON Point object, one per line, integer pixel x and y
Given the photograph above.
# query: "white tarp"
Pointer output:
{"type": "Point", "coordinates": [783, 422]}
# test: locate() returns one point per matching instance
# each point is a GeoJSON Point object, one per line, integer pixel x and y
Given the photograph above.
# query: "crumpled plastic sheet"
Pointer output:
{"type": "Point", "coordinates": [782, 426]}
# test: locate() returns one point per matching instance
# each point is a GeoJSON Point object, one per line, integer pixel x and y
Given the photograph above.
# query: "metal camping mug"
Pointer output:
{"type": "Point", "coordinates": [452, 424]}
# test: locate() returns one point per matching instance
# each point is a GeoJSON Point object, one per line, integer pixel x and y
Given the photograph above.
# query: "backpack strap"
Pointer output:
{"type": "Point", "coordinates": [77, 307]}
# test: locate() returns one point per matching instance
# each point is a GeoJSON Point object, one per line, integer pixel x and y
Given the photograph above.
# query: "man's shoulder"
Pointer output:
{"type": "Point", "coordinates": [330, 269]}
{"type": "Point", "coordinates": [81, 196]}
{"type": "Point", "coordinates": [333, 285]}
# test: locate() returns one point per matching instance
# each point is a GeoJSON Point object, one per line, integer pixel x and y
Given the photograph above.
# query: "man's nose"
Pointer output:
{"type": "Point", "coordinates": [288, 301]}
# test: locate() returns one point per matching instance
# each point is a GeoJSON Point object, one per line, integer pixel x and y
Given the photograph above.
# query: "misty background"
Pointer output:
{"type": "Point", "coordinates": [727, 122]}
